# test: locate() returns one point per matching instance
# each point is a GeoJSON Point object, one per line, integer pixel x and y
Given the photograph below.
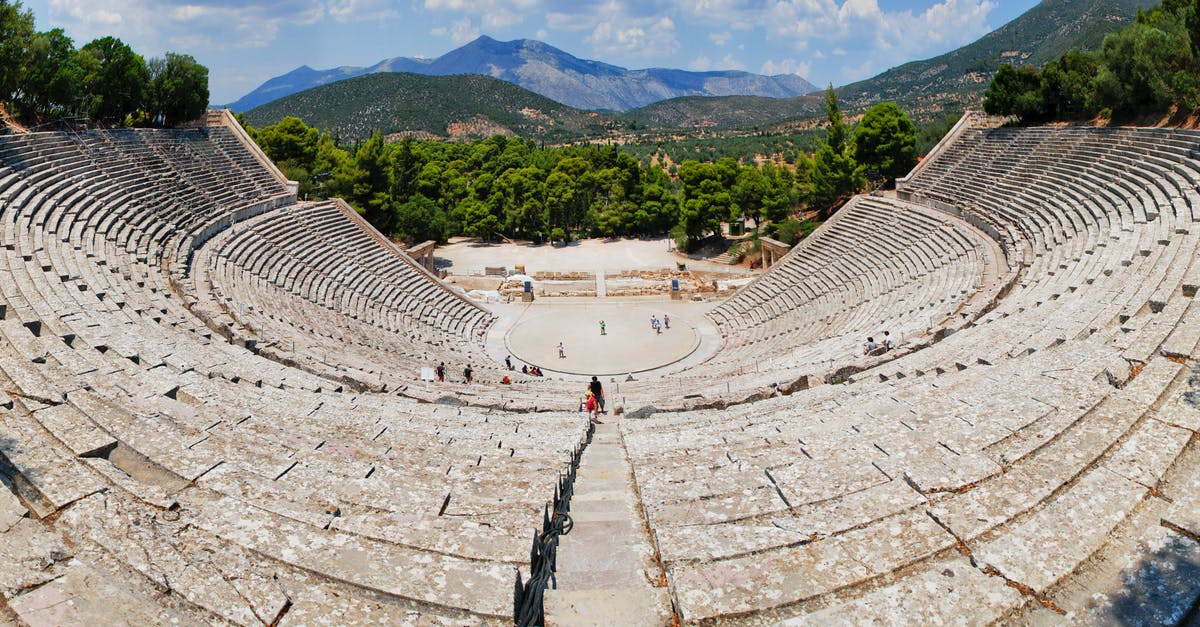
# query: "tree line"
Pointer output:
{"type": "Point", "coordinates": [418, 190]}
{"type": "Point", "coordinates": [44, 77]}
{"type": "Point", "coordinates": [1147, 67]}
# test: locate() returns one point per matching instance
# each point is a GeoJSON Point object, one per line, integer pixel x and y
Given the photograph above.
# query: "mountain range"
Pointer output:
{"type": "Point", "coordinates": [456, 107]}
{"type": "Point", "coordinates": [550, 72]}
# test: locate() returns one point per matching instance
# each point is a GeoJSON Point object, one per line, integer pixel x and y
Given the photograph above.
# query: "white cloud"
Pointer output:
{"type": "Point", "coordinates": [362, 10]}
{"type": "Point", "coordinates": [459, 32]}
{"type": "Point", "coordinates": [785, 66]}
{"type": "Point", "coordinates": [642, 37]}
{"type": "Point", "coordinates": [858, 23]}
{"type": "Point", "coordinates": [720, 39]}
{"type": "Point", "coordinates": [492, 14]}
{"type": "Point", "coordinates": [154, 26]}
{"type": "Point", "coordinates": [704, 64]}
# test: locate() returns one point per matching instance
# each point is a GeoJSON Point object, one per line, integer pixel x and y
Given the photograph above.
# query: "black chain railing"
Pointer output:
{"type": "Point", "coordinates": [528, 597]}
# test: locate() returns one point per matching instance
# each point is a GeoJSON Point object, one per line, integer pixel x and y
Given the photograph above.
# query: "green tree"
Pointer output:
{"type": "Point", "coordinates": [289, 140]}
{"type": "Point", "coordinates": [1016, 92]}
{"type": "Point", "coordinates": [835, 173]}
{"type": "Point", "coordinates": [114, 79]}
{"type": "Point", "coordinates": [885, 141]}
{"type": "Point", "coordinates": [178, 89]}
{"type": "Point", "coordinates": [54, 77]}
{"type": "Point", "coordinates": [332, 169]}
{"type": "Point", "coordinates": [1188, 13]}
{"type": "Point", "coordinates": [371, 192]}
{"type": "Point", "coordinates": [706, 202]}
{"type": "Point", "coordinates": [749, 195]}
{"type": "Point", "coordinates": [408, 167]}
{"type": "Point", "coordinates": [16, 36]}
{"type": "Point", "coordinates": [780, 196]}
{"type": "Point", "coordinates": [1147, 67]}
{"type": "Point", "coordinates": [419, 219]}
{"type": "Point", "coordinates": [476, 219]}
{"type": "Point", "coordinates": [521, 193]}
{"type": "Point", "coordinates": [1066, 85]}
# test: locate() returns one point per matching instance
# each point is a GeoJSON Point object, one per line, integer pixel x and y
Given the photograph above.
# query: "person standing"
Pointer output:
{"type": "Point", "coordinates": [597, 390]}
{"type": "Point", "coordinates": [508, 362]}
{"type": "Point", "coordinates": [602, 328]}
{"type": "Point", "coordinates": [667, 321]}
{"type": "Point", "coordinates": [562, 351]}
{"type": "Point", "coordinates": [467, 372]}
{"type": "Point", "coordinates": [440, 371]}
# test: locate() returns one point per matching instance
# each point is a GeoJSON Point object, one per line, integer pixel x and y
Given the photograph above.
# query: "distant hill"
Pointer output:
{"type": "Point", "coordinates": [959, 78]}
{"type": "Point", "coordinates": [445, 107]}
{"type": "Point", "coordinates": [546, 70]}
{"type": "Point", "coordinates": [927, 89]}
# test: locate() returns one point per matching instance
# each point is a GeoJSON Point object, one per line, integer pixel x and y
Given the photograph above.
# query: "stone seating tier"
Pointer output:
{"type": "Point", "coordinates": [210, 412]}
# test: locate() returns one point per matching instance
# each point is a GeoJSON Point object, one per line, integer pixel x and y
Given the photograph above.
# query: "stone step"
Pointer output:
{"type": "Point", "coordinates": [607, 573]}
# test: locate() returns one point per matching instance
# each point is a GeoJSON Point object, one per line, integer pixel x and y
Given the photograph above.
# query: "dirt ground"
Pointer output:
{"type": "Point", "coordinates": [466, 256]}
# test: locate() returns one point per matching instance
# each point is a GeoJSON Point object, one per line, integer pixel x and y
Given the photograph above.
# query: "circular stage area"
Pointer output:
{"type": "Point", "coordinates": [629, 345]}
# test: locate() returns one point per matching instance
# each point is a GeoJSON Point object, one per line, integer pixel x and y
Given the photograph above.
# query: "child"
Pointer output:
{"type": "Point", "coordinates": [592, 406]}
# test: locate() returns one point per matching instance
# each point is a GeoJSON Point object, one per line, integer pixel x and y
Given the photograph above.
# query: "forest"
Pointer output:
{"type": "Point", "coordinates": [416, 190]}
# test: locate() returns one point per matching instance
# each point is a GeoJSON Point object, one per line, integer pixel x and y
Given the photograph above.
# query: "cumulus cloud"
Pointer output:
{"type": "Point", "coordinates": [361, 10]}
{"type": "Point", "coordinates": [648, 37]}
{"type": "Point", "coordinates": [156, 25]}
{"type": "Point", "coordinates": [704, 64]}
{"type": "Point", "coordinates": [772, 67]}
{"type": "Point", "coordinates": [863, 22]}
{"type": "Point", "coordinates": [492, 14]}
{"type": "Point", "coordinates": [720, 39]}
{"type": "Point", "coordinates": [459, 32]}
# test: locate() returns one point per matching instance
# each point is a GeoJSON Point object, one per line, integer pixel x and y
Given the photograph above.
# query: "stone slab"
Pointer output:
{"type": "Point", "coordinates": [607, 608]}
{"type": "Point", "coordinates": [74, 429]}
{"type": "Point", "coordinates": [1051, 543]}
{"type": "Point", "coordinates": [1148, 452]}
{"type": "Point", "coordinates": [1184, 338]}
{"type": "Point", "coordinates": [949, 592]}
{"type": "Point", "coordinates": [83, 596]}
{"type": "Point", "coordinates": [55, 480]}
{"type": "Point", "coordinates": [951, 473]}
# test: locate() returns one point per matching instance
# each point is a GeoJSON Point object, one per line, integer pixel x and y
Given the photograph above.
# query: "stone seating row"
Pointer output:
{"type": "Point", "coordinates": [956, 476]}
{"type": "Point", "coordinates": [128, 409]}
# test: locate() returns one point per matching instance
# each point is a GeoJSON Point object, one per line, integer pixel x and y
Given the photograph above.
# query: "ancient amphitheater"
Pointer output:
{"type": "Point", "coordinates": [212, 411]}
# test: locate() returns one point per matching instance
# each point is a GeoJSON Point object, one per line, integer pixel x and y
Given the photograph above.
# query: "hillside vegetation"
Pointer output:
{"type": "Point", "coordinates": [1150, 67]}
{"type": "Point", "coordinates": [417, 190]}
{"type": "Point", "coordinates": [433, 107]}
{"type": "Point", "coordinates": [926, 89]}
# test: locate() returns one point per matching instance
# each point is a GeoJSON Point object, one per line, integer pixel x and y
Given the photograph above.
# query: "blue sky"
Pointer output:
{"type": "Point", "coordinates": [244, 42]}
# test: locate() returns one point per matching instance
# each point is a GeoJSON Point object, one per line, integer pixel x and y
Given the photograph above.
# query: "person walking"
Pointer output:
{"type": "Point", "coordinates": [562, 351]}
{"type": "Point", "coordinates": [597, 390]}
{"type": "Point", "coordinates": [603, 328]}
{"type": "Point", "coordinates": [592, 406]}
{"type": "Point", "coordinates": [467, 372]}
{"type": "Point", "coordinates": [666, 321]}
{"type": "Point", "coordinates": [440, 371]}
{"type": "Point", "coordinates": [508, 361]}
